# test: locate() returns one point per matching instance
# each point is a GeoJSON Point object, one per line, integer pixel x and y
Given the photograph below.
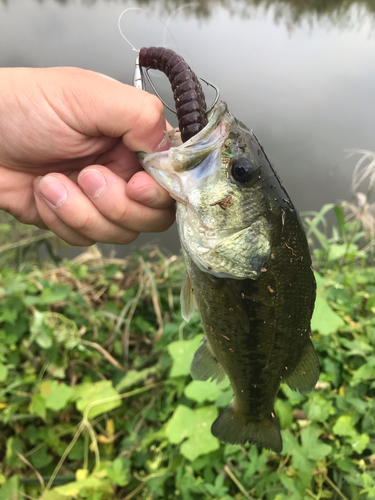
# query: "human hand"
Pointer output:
{"type": "Point", "coordinates": [67, 162]}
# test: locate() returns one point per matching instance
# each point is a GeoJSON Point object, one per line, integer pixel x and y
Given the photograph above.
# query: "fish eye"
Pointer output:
{"type": "Point", "coordinates": [242, 169]}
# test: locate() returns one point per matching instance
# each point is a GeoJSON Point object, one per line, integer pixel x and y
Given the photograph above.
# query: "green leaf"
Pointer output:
{"type": "Point", "coordinates": [365, 372]}
{"type": "Point", "coordinates": [195, 425]}
{"type": "Point", "coordinates": [40, 458]}
{"type": "Point", "coordinates": [134, 376]}
{"type": "Point", "coordinates": [324, 319]}
{"type": "Point", "coordinates": [3, 372]}
{"type": "Point", "coordinates": [312, 446]}
{"type": "Point", "coordinates": [53, 495]}
{"type": "Point", "coordinates": [370, 304]}
{"type": "Point", "coordinates": [111, 270]}
{"type": "Point", "coordinates": [74, 488]}
{"type": "Point", "coordinates": [97, 395]}
{"type": "Point", "coordinates": [182, 353]}
{"type": "Point", "coordinates": [56, 394]}
{"type": "Point", "coordinates": [294, 397]}
{"type": "Point", "coordinates": [119, 471]}
{"type": "Point", "coordinates": [226, 397]}
{"type": "Point", "coordinates": [38, 406]}
{"type": "Point", "coordinates": [344, 426]}
{"type": "Point", "coordinates": [202, 391]}
{"type": "Point", "coordinates": [8, 316]}
{"type": "Point", "coordinates": [41, 334]}
{"type": "Point", "coordinates": [284, 412]}
{"type": "Point", "coordinates": [289, 484]}
{"type": "Point", "coordinates": [14, 445]}
{"type": "Point", "coordinates": [57, 294]}
{"type": "Point", "coordinates": [359, 442]}
{"type": "Point", "coordinates": [320, 280]}
{"type": "Point", "coordinates": [318, 408]}
{"type": "Point", "coordinates": [9, 491]}
{"type": "Point", "coordinates": [337, 251]}
{"type": "Point", "coordinates": [300, 461]}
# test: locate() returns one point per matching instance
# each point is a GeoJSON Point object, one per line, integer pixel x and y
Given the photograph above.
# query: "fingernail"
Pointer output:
{"type": "Point", "coordinates": [52, 191]}
{"type": "Point", "coordinates": [164, 145]}
{"type": "Point", "coordinates": [145, 195]}
{"type": "Point", "coordinates": [92, 182]}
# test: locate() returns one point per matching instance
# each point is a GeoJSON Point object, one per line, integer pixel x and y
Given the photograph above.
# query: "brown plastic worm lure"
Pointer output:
{"type": "Point", "coordinates": [188, 94]}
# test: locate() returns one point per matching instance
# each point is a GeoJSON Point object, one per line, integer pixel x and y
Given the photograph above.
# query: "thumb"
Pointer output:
{"type": "Point", "coordinates": [102, 105]}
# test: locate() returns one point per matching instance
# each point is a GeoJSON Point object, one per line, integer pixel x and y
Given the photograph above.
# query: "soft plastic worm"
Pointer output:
{"type": "Point", "coordinates": [188, 94]}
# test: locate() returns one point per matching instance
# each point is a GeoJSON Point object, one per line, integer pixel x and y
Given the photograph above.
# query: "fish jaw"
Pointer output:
{"type": "Point", "coordinates": [221, 239]}
{"type": "Point", "coordinates": [191, 163]}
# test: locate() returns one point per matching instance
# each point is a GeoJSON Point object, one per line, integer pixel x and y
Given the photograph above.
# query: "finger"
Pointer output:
{"type": "Point", "coordinates": [73, 208]}
{"type": "Point", "coordinates": [120, 110]}
{"type": "Point", "coordinates": [108, 193]}
{"type": "Point", "coordinates": [17, 196]}
{"type": "Point", "coordinates": [75, 237]}
{"type": "Point", "coordinates": [63, 207]}
{"type": "Point", "coordinates": [144, 189]}
{"type": "Point", "coordinates": [121, 161]}
{"type": "Point", "coordinates": [58, 227]}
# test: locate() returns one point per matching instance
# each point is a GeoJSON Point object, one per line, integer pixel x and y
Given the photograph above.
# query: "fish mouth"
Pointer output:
{"type": "Point", "coordinates": [190, 163]}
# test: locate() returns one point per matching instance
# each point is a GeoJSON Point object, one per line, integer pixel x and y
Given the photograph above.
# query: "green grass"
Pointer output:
{"type": "Point", "coordinates": [97, 402]}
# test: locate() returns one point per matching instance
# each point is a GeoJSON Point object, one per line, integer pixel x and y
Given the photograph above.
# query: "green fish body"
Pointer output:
{"type": "Point", "coordinates": [248, 273]}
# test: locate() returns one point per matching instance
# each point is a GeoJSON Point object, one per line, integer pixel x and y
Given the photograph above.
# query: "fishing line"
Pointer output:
{"type": "Point", "coordinates": [164, 44]}
{"type": "Point", "coordinates": [166, 28]}
{"type": "Point", "coordinates": [169, 20]}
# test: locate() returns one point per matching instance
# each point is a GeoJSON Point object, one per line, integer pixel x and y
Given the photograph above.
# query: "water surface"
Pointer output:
{"type": "Point", "coordinates": [301, 75]}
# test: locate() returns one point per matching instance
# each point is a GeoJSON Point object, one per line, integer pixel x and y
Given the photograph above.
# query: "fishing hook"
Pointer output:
{"type": "Point", "coordinates": [139, 83]}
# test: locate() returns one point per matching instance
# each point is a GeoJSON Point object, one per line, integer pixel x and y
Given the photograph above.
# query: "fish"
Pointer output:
{"type": "Point", "coordinates": [248, 272]}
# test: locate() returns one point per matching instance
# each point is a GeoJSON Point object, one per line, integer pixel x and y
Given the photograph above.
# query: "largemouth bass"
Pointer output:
{"type": "Point", "coordinates": [248, 272]}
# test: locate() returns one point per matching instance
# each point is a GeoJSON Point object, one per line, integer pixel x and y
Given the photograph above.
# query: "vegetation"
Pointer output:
{"type": "Point", "coordinates": [97, 402]}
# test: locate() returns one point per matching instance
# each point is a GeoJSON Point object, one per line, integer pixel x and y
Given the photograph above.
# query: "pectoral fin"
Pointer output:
{"type": "Point", "coordinates": [188, 304]}
{"type": "Point", "coordinates": [205, 365]}
{"type": "Point", "coordinates": [306, 374]}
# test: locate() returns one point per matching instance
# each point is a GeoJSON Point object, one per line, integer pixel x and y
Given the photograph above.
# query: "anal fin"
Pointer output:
{"type": "Point", "coordinates": [306, 374]}
{"type": "Point", "coordinates": [205, 365]}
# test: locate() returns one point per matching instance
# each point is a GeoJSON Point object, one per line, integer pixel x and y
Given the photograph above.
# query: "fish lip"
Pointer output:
{"type": "Point", "coordinates": [218, 111]}
{"type": "Point", "coordinates": [198, 155]}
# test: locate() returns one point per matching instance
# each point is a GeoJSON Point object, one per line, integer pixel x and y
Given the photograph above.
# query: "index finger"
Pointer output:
{"type": "Point", "coordinates": [109, 107]}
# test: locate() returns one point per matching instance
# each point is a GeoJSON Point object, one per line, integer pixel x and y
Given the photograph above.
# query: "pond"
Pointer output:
{"type": "Point", "coordinates": [300, 74]}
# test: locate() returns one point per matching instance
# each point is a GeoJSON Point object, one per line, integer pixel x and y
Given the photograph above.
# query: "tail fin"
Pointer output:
{"type": "Point", "coordinates": [234, 427]}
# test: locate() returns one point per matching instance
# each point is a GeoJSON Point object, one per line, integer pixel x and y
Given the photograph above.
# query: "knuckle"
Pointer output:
{"type": "Point", "coordinates": [87, 224]}
{"type": "Point", "coordinates": [155, 107]}
{"type": "Point", "coordinates": [121, 215]}
{"type": "Point", "coordinates": [151, 112]}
